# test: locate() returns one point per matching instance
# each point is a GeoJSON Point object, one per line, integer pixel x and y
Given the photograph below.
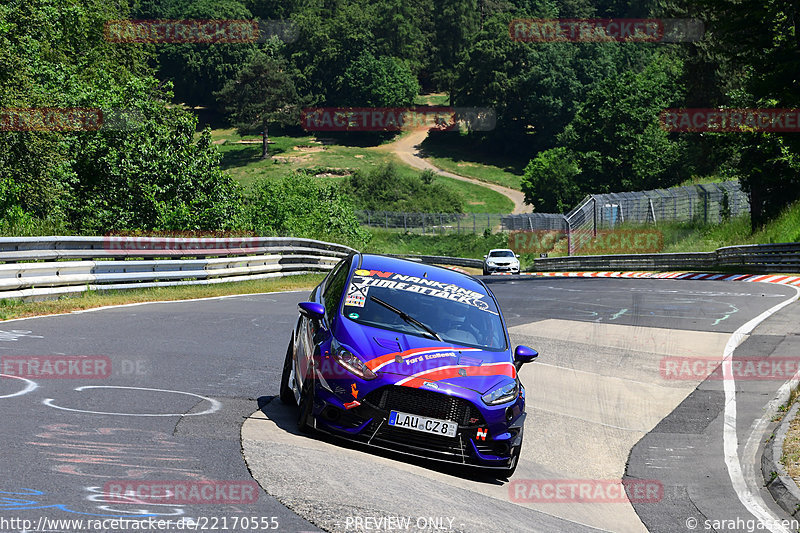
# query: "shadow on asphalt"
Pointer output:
{"type": "Point", "coordinates": [285, 418]}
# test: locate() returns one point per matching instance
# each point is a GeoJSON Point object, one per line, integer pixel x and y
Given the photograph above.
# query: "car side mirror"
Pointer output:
{"type": "Point", "coordinates": [485, 256]}
{"type": "Point", "coordinates": [311, 310]}
{"type": "Point", "coordinates": [523, 354]}
{"type": "Point", "coordinates": [516, 255]}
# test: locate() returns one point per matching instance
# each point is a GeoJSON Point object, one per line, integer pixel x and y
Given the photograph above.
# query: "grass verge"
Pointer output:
{"type": "Point", "coordinates": [16, 309]}
{"type": "Point", "coordinates": [790, 457]}
{"type": "Point", "coordinates": [459, 154]}
{"type": "Point", "coordinates": [454, 245]}
{"type": "Point", "coordinates": [330, 162]}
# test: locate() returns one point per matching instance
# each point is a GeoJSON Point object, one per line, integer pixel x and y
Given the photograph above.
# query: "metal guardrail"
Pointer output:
{"type": "Point", "coordinates": [784, 257]}
{"type": "Point", "coordinates": [442, 260]}
{"type": "Point", "coordinates": [46, 267]}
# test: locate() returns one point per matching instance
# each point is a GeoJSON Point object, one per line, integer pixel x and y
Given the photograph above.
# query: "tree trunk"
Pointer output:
{"type": "Point", "coordinates": [265, 142]}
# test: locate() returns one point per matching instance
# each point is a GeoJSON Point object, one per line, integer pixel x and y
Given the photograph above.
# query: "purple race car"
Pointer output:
{"type": "Point", "coordinates": [408, 357]}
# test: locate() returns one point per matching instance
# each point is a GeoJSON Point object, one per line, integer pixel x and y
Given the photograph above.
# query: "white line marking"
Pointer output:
{"type": "Point", "coordinates": [750, 499]}
{"type": "Point", "coordinates": [215, 405]}
{"type": "Point", "coordinates": [31, 385]}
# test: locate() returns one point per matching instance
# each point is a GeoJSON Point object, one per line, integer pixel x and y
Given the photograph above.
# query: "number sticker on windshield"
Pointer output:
{"type": "Point", "coordinates": [356, 295]}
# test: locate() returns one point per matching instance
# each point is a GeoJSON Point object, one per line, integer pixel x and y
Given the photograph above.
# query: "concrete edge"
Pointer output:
{"type": "Point", "coordinates": [782, 487]}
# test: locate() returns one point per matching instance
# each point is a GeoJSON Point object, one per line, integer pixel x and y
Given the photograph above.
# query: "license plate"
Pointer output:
{"type": "Point", "coordinates": [446, 428]}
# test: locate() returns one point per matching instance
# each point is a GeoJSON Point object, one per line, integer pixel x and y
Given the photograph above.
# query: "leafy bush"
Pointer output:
{"type": "Point", "coordinates": [385, 189]}
{"type": "Point", "coordinates": [303, 207]}
{"type": "Point", "coordinates": [150, 173]}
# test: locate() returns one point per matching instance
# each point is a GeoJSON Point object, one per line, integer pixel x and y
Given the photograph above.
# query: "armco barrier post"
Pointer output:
{"type": "Point", "coordinates": [569, 236]}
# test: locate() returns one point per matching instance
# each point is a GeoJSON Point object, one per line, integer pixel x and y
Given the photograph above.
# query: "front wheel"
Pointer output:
{"type": "Point", "coordinates": [304, 421]}
{"type": "Point", "coordinates": [287, 394]}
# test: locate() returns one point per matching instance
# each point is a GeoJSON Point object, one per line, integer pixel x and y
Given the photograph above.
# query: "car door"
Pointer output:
{"type": "Point", "coordinates": [313, 332]}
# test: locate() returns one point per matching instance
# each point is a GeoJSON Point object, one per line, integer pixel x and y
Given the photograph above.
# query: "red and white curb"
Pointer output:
{"type": "Point", "coordinates": [765, 278]}
{"type": "Point", "coordinates": [455, 268]}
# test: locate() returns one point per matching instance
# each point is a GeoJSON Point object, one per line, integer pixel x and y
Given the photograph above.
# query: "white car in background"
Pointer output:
{"type": "Point", "coordinates": [500, 260]}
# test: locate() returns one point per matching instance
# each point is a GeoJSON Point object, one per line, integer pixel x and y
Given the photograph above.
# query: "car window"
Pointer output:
{"type": "Point", "coordinates": [504, 253]}
{"type": "Point", "coordinates": [334, 289]}
{"type": "Point", "coordinates": [461, 315]}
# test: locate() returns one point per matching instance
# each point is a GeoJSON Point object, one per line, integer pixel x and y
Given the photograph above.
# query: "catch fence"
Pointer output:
{"type": "Point", "coordinates": [708, 203]}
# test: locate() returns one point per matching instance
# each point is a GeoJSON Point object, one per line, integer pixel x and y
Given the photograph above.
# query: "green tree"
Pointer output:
{"type": "Point", "coordinates": [755, 49]}
{"type": "Point", "coordinates": [378, 82]}
{"type": "Point", "coordinates": [456, 22]}
{"type": "Point", "coordinates": [330, 39]}
{"type": "Point", "coordinates": [149, 172]}
{"type": "Point", "coordinates": [616, 134]}
{"type": "Point", "coordinates": [261, 94]}
{"type": "Point", "coordinates": [550, 181]}
{"type": "Point", "coordinates": [404, 30]}
{"type": "Point", "coordinates": [197, 71]}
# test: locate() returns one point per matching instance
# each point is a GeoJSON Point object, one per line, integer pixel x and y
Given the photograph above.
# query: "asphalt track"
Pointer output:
{"type": "Point", "coordinates": [596, 393]}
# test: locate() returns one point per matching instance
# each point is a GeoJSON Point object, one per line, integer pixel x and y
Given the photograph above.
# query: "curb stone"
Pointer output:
{"type": "Point", "coordinates": [783, 488]}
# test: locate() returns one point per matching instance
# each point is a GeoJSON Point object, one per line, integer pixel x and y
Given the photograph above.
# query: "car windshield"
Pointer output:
{"type": "Point", "coordinates": [502, 253]}
{"type": "Point", "coordinates": [456, 314]}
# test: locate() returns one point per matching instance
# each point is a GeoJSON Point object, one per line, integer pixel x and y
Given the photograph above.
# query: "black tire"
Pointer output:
{"type": "Point", "coordinates": [304, 422]}
{"type": "Point", "coordinates": [485, 272]}
{"type": "Point", "coordinates": [287, 394]}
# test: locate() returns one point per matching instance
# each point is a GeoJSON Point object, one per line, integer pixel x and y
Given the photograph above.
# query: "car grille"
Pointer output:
{"type": "Point", "coordinates": [425, 403]}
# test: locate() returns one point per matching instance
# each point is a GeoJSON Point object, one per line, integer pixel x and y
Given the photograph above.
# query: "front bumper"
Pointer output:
{"type": "Point", "coordinates": [486, 438]}
{"type": "Point", "coordinates": [491, 269]}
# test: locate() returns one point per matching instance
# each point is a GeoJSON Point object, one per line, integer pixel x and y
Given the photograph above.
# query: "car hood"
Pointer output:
{"type": "Point", "coordinates": [418, 362]}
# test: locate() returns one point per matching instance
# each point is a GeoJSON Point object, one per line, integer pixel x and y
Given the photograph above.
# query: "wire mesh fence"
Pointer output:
{"type": "Point", "coordinates": [432, 223]}
{"type": "Point", "coordinates": [707, 203]}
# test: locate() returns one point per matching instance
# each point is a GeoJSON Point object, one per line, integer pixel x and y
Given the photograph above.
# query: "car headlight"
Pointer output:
{"type": "Point", "coordinates": [353, 364]}
{"type": "Point", "coordinates": [503, 393]}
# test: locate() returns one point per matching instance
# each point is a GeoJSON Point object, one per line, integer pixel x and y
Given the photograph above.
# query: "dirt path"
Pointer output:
{"type": "Point", "coordinates": [407, 149]}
